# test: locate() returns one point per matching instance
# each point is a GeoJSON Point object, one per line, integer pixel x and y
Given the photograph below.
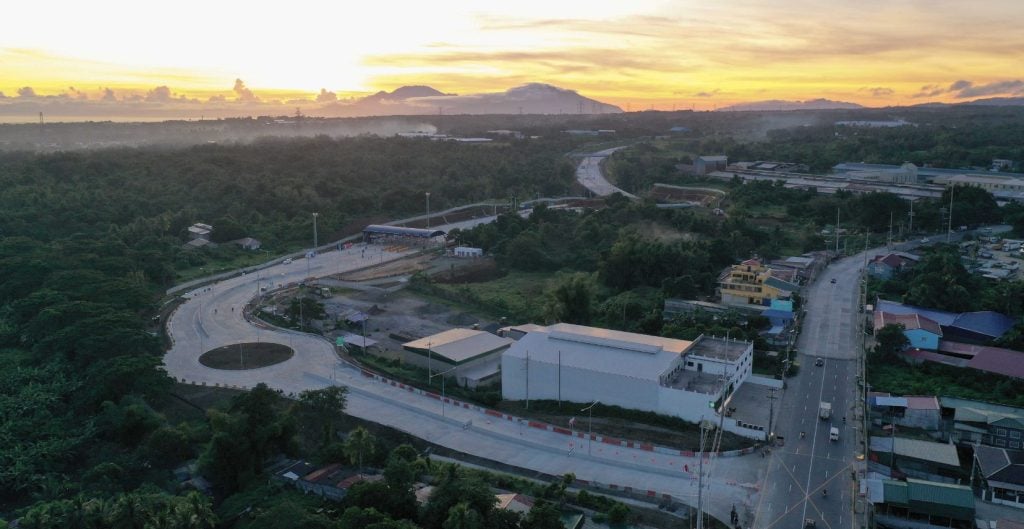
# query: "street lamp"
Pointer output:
{"type": "Point", "coordinates": [315, 215]}
{"type": "Point", "coordinates": [429, 376]}
{"type": "Point", "coordinates": [590, 419]}
{"type": "Point", "coordinates": [442, 374]}
{"type": "Point", "coordinates": [428, 210]}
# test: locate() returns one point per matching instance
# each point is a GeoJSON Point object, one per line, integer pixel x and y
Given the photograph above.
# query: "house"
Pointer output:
{"type": "Point", "coordinates": [248, 243]}
{"type": "Point", "coordinates": [681, 378]}
{"type": "Point", "coordinates": [467, 251]}
{"type": "Point", "coordinates": [976, 422]}
{"type": "Point", "coordinates": [1002, 475]}
{"type": "Point", "coordinates": [923, 412]}
{"type": "Point", "coordinates": [921, 332]}
{"type": "Point", "coordinates": [751, 283]}
{"type": "Point", "coordinates": [195, 244]}
{"type": "Point", "coordinates": [921, 504]}
{"type": "Point", "coordinates": [781, 330]}
{"type": "Point", "coordinates": [887, 266]}
{"type": "Point", "coordinates": [900, 457]}
{"type": "Point", "coordinates": [199, 231]}
{"type": "Point", "coordinates": [970, 327]}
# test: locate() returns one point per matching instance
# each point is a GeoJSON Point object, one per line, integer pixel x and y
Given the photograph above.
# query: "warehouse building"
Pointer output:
{"type": "Point", "coordinates": [686, 379]}
{"type": "Point", "coordinates": [474, 357]}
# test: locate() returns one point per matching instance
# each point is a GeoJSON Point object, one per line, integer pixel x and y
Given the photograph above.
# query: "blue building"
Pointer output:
{"type": "Point", "coordinates": [922, 332]}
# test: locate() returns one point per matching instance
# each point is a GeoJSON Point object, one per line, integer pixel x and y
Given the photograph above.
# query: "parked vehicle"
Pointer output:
{"type": "Point", "coordinates": [287, 261]}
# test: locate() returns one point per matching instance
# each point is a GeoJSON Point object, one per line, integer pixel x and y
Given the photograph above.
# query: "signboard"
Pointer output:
{"type": "Point", "coordinates": [339, 341]}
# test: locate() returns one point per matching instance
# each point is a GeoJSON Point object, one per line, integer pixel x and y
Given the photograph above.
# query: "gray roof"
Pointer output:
{"type": "Point", "coordinates": [405, 232]}
{"type": "Point", "coordinates": [459, 345]}
{"type": "Point", "coordinates": [942, 453]}
{"type": "Point", "coordinates": [602, 350]}
{"type": "Point", "coordinates": [1000, 464]}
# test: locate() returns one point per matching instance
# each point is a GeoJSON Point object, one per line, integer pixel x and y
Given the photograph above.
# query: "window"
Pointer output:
{"type": "Point", "coordinates": [1001, 442]}
{"type": "Point", "coordinates": [1014, 434]}
{"type": "Point", "coordinates": [1014, 444]}
{"type": "Point", "coordinates": [689, 364]}
{"type": "Point", "coordinates": [1001, 432]}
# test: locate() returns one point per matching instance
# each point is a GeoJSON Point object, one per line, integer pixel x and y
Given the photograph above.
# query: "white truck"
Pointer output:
{"type": "Point", "coordinates": [825, 410]}
{"type": "Point", "coordinates": [833, 434]}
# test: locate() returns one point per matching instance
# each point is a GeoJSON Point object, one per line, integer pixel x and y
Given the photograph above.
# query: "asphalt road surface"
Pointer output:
{"type": "Point", "coordinates": [590, 176]}
{"type": "Point", "coordinates": [803, 469]}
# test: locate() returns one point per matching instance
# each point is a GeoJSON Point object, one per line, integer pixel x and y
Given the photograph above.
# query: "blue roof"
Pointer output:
{"type": "Point", "coordinates": [399, 230]}
{"type": "Point", "coordinates": [984, 322]}
{"type": "Point", "coordinates": [776, 314]}
{"type": "Point", "coordinates": [938, 316]}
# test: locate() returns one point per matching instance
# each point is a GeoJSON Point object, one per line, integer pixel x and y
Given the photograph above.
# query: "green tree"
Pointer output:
{"type": "Point", "coordinates": [327, 404]}
{"type": "Point", "coordinates": [359, 445]}
{"type": "Point", "coordinates": [571, 300]}
{"type": "Point", "coordinates": [461, 516]}
{"type": "Point", "coordinates": [618, 514]}
{"type": "Point", "coordinates": [891, 340]}
{"type": "Point", "coordinates": [543, 515]}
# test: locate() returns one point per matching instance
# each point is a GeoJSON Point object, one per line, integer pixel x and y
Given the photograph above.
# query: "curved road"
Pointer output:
{"type": "Point", "coordinates": [212, 317]}
{"type": "Point", "coordinates": [590, 176]}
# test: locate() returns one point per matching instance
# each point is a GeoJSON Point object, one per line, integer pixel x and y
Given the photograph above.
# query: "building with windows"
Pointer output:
{"type": "Point", "coordinates": [1002, 475]}
{"type": "Point", "coordinates": [686, 379]}
{"type": "Point", "coordinates": [921, 332]}
{"type": "Point", "coordinates": [752, 283]}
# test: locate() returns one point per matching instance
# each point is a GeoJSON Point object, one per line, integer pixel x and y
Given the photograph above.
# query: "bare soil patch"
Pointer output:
{"type": "Point", "coordinates": [241, 356]}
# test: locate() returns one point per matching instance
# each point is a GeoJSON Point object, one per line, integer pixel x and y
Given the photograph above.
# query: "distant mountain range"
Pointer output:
{"type": "Point", "coordinates": [987, 102]}
{"type": "Point", "coordinates": [778, 104]}
{"type": "Point", "coordinates": [533, 98]}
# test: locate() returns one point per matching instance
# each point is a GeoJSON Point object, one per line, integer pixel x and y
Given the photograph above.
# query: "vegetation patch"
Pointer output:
{"type": "Point", "coordinates": [240, 356]}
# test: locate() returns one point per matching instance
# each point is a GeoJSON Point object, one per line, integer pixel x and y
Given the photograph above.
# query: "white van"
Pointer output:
{"type": "Point", "coordinates": [287, 261]}
{"type": "Point", "coordinates": [833, 434]}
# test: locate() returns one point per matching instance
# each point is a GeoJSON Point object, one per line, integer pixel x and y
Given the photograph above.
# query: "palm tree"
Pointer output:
{"type": "Point", "coordinates": [129, 512]}
{"type": "Point", "coordinates": [460, 516]}
{"type": "Point", "coordinates": [194, 512]}
{"type": "Point", "coordinates": [360, 443]}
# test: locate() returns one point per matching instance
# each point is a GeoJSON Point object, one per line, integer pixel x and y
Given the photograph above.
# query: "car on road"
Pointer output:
{"type": "Point", "coordinates": [924, 240]}
{"type": "Point", "coordinates": [833, 281]}
{"type": "Point", "coordinates": [819, 362]}
{"type": "Point", "coordinates": [287, 261]}
{"type": "Point", "coordinates": [809, 523]}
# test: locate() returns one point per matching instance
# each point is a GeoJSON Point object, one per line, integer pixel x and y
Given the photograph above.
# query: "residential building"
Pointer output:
{"type": "Point", "coordinates": [970, 327]}
{"type": "Point", "coordinates": [901, 457]}
{"type": "Point", "coordinates": [200, 231]}
{"type": "Point", "coordinates": [467, 251]}
{"type": "Point", "coordinates": [686, 379]}
{"type": "Point", "coordinates": [923, 412]}
{"type": "Point", "coordinates": [921, 332]}
{"type": "Point", "coordinates": [751, 283]}
{"type": "Point", "coordinates": [1002, 475]}
{"type": "Point", "coordinates": [887, 266]}
{"type": "Point", "coordinates": [473, 356]}
{"type": "Point", "coordinates": [976, 422]}
{"type": "Point", "coordinates": [921, 504]}
{"type": "Point", "coordinates": [991, 182]}
{"type": "Point", "coordinates": [248, 243]}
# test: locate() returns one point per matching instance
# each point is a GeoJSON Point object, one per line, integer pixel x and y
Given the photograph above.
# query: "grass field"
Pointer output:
{"type": "Point", "coordinates": [518, 295]}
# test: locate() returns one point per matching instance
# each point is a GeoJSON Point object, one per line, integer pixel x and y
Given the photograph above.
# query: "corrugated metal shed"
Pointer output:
{"type": "Point", "coordinates": [381, 229]}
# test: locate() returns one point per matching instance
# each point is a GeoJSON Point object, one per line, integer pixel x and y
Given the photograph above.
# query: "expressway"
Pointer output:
{"type": "Point", "coordinates": [590, 176]}
{"type": "Point", "coordinates": [803, 469]}
{"type": "Point", "coordinates": [212, 316]}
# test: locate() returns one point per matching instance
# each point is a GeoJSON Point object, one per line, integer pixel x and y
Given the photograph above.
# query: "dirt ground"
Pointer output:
{"type": "Point", "coordinates": [246, 356]}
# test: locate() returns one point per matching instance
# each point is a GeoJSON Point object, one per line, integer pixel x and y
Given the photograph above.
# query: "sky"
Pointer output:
{"type": "Point", "coordinates": [637, 54]}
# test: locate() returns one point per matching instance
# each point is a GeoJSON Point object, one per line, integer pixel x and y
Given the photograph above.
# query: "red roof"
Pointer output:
{"type": "Point", "coordinates": [922, 403]}
{"type": "Point", "coordinates": [909, 322]}
{"type": "Point", "coordinates": [935, 357]}
{"type": "Point", "coordinates": [1000, 361]}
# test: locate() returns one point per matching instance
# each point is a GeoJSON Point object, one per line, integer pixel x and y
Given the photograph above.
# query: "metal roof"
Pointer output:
{"type": "Point", "coordinates": [899, 402]}
{"type": "Point", "coordinates": [984, 322]}
{"type": "Point", "coordinates": [938, 316]}
{"type": "Point", "coordinates": [940, 494]}
{"type": "Point", "coordinates": [402, 231]}
{"type": "Point", "coordinates": [459, 345]}
{"type": "Point", "coordinates": [941, 453]}
{"type": "Point", "coordinates": [601, 350]}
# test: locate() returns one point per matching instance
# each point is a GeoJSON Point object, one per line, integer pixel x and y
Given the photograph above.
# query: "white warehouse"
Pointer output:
{"type": "Point", "coordinates": [663, 375]}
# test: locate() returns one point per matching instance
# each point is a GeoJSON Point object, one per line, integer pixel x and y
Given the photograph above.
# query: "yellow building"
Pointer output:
{"type": "Point", "coordinates": [751, 283]}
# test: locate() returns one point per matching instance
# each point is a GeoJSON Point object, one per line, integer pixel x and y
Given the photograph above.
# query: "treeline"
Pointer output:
{"type": "Point", "coordinates": [146, 198]}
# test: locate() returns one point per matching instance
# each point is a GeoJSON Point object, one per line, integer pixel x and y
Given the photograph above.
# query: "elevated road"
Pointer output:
{"type": "Point", "coordinates": [590, 175]}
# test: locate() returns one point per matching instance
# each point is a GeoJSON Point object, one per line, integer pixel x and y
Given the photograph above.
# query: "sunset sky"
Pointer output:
{"type": "Point", "coordinates": [635, 53]}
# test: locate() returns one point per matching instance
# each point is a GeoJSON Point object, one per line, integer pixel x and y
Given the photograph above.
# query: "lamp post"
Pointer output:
{"type": "Point", "coordinates": [428, 210]}
{"type": "Point", "coordinates": [442, 374]}
{"type": "Point", "coordinates": [429, 376]}
{"type": "Point", "coordinates": [590, 419]}
{"type": "Point", "coordinates": [315, 215]}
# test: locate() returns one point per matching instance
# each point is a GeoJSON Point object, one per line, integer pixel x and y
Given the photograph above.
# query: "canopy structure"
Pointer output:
{"type": "Point", "coordinates": [379, 230]}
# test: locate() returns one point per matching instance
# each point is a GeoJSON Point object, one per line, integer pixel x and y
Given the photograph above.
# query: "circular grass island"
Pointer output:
{"type": "Point", "coordinates": [239, 356]}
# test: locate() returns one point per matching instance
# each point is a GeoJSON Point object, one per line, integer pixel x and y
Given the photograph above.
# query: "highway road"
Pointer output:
{"type": "Point", "coordinates": [590, 176]}
{"type": "Point", "coordinates": [803, 469]}
{"type": "Point", "coordinates": [212, 317]}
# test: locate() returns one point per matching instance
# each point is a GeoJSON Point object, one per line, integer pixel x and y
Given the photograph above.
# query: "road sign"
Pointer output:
{"type": "Point", "coordinates": [339, 341]}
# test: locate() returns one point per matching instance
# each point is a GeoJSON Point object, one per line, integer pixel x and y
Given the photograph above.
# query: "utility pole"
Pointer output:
{"type": "Point", "coordinates": [559, 378]}
{"type": "Point", "coordinates": [590, 420]}
{"type": "Point", "coordinates": [771, 412]}
{"type": "Point", "coordinates": [888, 242]}
{"type": "Point", "coordinates": [428, 210]}
{"type": "Point", "coordinates": [949, 228]}
{"type": "Point", "coordinates": [527, 379]}
{"type": "Point", "coordinates": [910, 230]}
{"type": "Point", "coordinates": [837, 231]}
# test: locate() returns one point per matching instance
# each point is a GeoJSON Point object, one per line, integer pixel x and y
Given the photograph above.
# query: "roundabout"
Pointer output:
{"type": "Point", "coordinates": [242, 356]}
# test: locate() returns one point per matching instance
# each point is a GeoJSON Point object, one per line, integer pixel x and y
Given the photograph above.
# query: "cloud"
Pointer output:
{"type": "Point", "coordinates": [1014, 87]}
{"type": "Point", "coordinates": [2, 96]}
{"type": "Point", "coordinates": [712, 93]}
{"type": "Point", "coordinates": [963, 89]}
{"type": "Point", "coordinates": [108, 95]}
{"type": "Point", "coordinates": [244, 94]}
{"type": "Point", "coordinates": [878, 91]}
{"type": "Point", "coordinates": [219, 98]}
{"type": "Point", "coordinates": [26, 92]}
{"type": "Point", "coordinates": [160, 94]}
{"type": "Point", "coordinates": [326, 97]}
{"type": "Point", "coordinates": [76, 93]}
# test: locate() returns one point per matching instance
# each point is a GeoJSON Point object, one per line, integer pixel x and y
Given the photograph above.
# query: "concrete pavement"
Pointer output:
{"type": "Point", "coordinates": [590, 175]}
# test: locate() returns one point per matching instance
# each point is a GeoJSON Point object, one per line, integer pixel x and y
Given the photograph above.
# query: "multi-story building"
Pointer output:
{"type": "Point", "coordinates": [752, 283]}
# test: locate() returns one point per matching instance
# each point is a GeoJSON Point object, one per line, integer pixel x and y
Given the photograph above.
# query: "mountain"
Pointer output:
{"type": "Point", "coordinates": [996, 101]}
{"type": "Point", "coordinates": [777, 104]}
{"type": "Point", "coordinates": [532, 98]}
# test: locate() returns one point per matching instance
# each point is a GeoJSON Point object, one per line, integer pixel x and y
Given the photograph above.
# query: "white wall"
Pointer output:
{"type": "Point", "coordinates": [578, 385]}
